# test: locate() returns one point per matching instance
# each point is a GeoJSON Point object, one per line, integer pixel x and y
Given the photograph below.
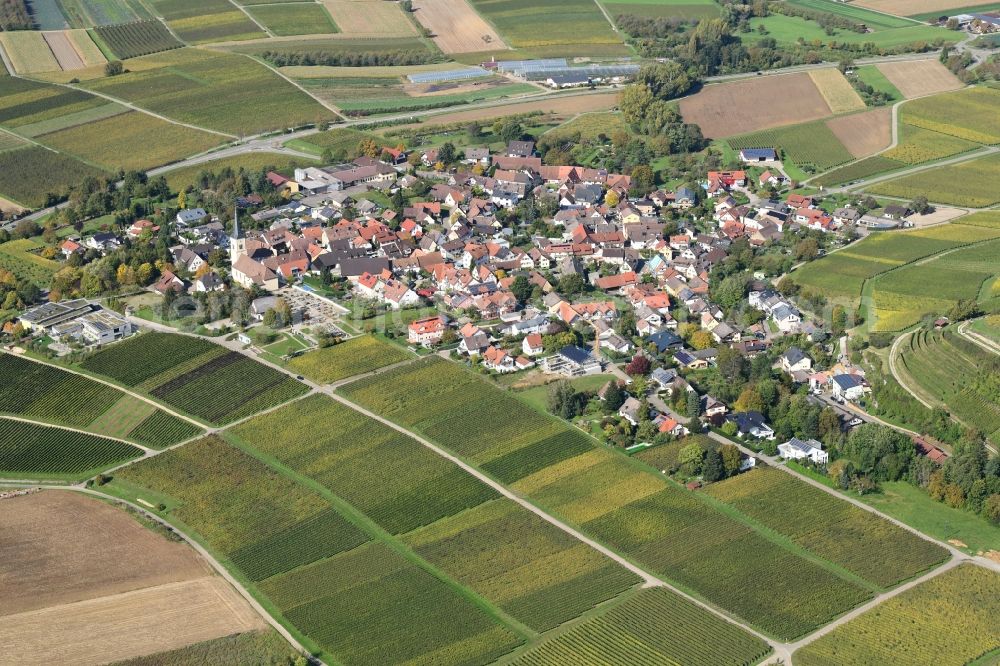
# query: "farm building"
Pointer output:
{"type": "Point", "coordinates": [758, 155]}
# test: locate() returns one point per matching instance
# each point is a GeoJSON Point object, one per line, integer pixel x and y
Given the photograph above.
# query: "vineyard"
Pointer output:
{"type": "Point", "coordinates": [861, 542]}
{"type": "Point", "coordinates": [42, 451]}
{"type": "Point", "coordinates": [955, 184]}
{"type": "Point", "coordinates": [870, 166]}
{"type": "Point", "coordinates": [353, 357]}
{"type": "Point", "coordinates": [541, 575]}
{"type": "Point", "coordinates": [668, 531]}
{"type": "Point", "coordinates": [812, 143]}
{"type": "Point", "coordinates": [393, 479]}
{"type": "Point", "coordinates": [50, 394]}
{"type": "Point", "coordinates": [357, 600]}
{"type": "Point", "coordinates": [654, 627]}
{"type": "Point", "coordinates": [139, 38]}
{"type": "Point", "coordinates": [969, 114]}
{"type": "Point", "coordinates": [20, 258]}
{"type": "Point", "coordinates": [951, 620]}
{"type": "Point", "coordinates": [195, 376]}
{"type": "Point", "coordinates": [968, 384]}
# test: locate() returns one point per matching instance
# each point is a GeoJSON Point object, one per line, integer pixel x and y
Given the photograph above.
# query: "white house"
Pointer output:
{"type": "Point", "coordinates": [796, 449]}
{"type": "Point", "coordinates": [846, 386]}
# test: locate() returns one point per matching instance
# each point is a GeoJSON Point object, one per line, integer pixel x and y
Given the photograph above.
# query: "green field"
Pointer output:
{"type": "Point", "coordinates": [666, 530]}
{"type": "Point", "coordinates": [355, 600]}
{"type": "Point", "coordinates": [21, 258]}
{"type": "Point", "coordinates": [789, 29]}
{"type": "Point", "coordinates": [266, 648]}
{"type": "Point", "coordinates": [41, 127]}
{"type": "Point", "coordinates": [953, 618]}
{"type": "Point", "coordinates": [567, 27]}
{"type": "Point", "coordinates": [206, 21]}
{"type": "Point", "coordinates": [871, 75]}
{"type": "Point", "coordinates": [139, 38]}
{"type": "Point", "coordinates": [88, 13]}
{"type": "Point", "coordinates": [36, 451]}
{"type": "Point", "coordinates": [807, 144]}
{"type": "Point", "coordinates": [968, 385]}
{"type": "Point", "coordinates": [195, 376]}
{"type": "Point", "coordinates": [294, 18]}
{"type": "Point", "coordinates": [866, 168]}
{"type": "Point", "coordinates": [28, 174]}
{"type": "Point", "coordinates": [972, 114]}
{"type": "Point", "coordinates": [842, 273]}
{"type": "Point", "coordinates": [652, 9]}
{"type": "Point", "coordinates": [56, 396]}
{"type": "Point", "coordinates": [861, 542]}
{"type": "Point", "coordinates": [340, 141]}
{"type": "Point", "coordinates": [352, 357]}
{"type": "Point", "coordinates": [956, 184]}
{"type": "Point", "coordinates": [901, 298]}
{"type": "Point", "coordinates": [137, 141]}
{"type": "Point", "coordinates": [875, 20]}
{"type": "Point", "coordinates": [213, 90]}
{"type": "Point", "coordinates": [653, 627]}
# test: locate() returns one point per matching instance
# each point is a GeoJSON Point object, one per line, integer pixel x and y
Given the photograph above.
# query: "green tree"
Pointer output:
{"type": "Point", "coordinates": [521, 287]}
{"type": "Point", "coordinates": [689, 458]}
{"type": "Point", "coordinates": [731, 459]}
{"type": "Point", "coordinates": [712, 469]}
{"type": "Point", "coordinates": [693, 404]}
{"type": "Point", "coordinates": [113, 68]}
{"type": "Point", "coordinates": [571, 284]}
{"type": "Point", "coordinates": [614, 396]}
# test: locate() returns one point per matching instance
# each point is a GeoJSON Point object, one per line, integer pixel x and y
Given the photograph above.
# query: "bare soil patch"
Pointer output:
{"type": "Point", "coordinates": [457, 88]}
{"type": "Point", "coordinates": [864, 134]}
{"type": "Point", "coordinates": [59, 547]}
{"type": "Point", "coordinates": [914, 78]}
{"type": "Point", "coordinates": [940, 215]}
{"type": "Point", "coordinates": [456, 26]}
{"type": "Point", "coordinates": [131, 624]}
{"type": "Point", "coordinates": [914, 7]}
{"type": "Point", "coordinates": [63, 50]}
{"type": "Point", "coordinates": [9, 207]}
{"type": "Point", "coordinates": [728, 109]}
{"type": "Point", "coordinates": [557, 105]}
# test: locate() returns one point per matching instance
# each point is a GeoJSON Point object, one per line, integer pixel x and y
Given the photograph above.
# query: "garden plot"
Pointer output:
{"type": "Point", "coordinates": [456, 27]}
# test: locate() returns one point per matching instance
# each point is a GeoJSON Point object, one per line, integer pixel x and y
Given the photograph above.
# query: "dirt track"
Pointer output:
{"type": "Point", "coordinates": [456, 26]}
{"type": "Point", "coordinates": [121, 626]}
{"type": "Point", "coordinates": [58, 548]}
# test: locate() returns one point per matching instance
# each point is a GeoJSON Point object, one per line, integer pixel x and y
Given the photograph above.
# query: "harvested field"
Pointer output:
{"type": "Point", "coordinates": [62, 547]}
{"type": "Point", "coordinates": [915, 78]}
{"type": "Point", "coordinates": [836, 90]}
{"type": "Point", "coordinates": [370, 18]}
{"type": "Point", "coordinates": [457, 27]}
{"type": "Point", "coordinates": [729, 109]}
{"type": "Point", "coordinates": [127, 625]}
{"type": "Point", "coordinates": [298, 18]}
{"type": "Point", "coordinates": [864, 134]}
{"type": "Point", "coordinates": [916, 7]}
{"type": "Point", "coordinates": [85, 47]}
{"type": "Point", "coordinates": [561, 105]}
{"type": "Point", "coordinates": [63, 50]}
{"type": "Point", "coordinates": [28, 51]}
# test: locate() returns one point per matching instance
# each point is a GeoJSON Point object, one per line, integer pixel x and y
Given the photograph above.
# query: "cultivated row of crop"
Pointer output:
{"type": "Point", "coordinates": [811, 143]}
{"type": "Point", "coordinates": [138, 38]}
{"type": "Point", "coordinates": [953, 618]}
{"type": "Point", "coordinates": [861, 542]}
{"type": "Point", "coordinates": [29, 450]}
{"type": "Point", "coordinates": [353, 357]}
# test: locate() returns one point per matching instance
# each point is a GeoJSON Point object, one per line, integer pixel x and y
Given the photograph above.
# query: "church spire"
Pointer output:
{"type": "Point", "coordinates": [236, 223]}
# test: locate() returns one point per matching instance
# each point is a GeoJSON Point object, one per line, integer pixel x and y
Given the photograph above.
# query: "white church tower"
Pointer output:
{"type": "Point", "coordinates": [238, 240]}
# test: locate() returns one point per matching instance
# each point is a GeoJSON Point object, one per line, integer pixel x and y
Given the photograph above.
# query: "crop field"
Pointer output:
{"type": "Point", "coordinates": [370, 18]}
{"type": "Point", "coordinates": [728, 109]}
{"type": "Point", "coordinates": [968, 385]}
{"type": "Point", "coordinates": [87, 13]}
{"type": "Point", "coordinates": [206, 21]}
{"type": "Point", "coordinates": [351, 357]}
{"type": "Point", "coordinates": [139, 38]}
{"type": "Point", "coordinates": [456, 27]}
{"type": "Point", "coordinates": [391, 478]}
{"type": "Point", "coordinates": [251, 647]}
{"type": "Point", "coordinates": [64, 398]}
{"type": "Point", "coordinates": [541, 575]}
{"type": "Point", "coordinates": [372, 606]}
{"type": "Point", "coordinates": [209, 89]}
{"type": "Point", "coordinates": [669, 531]}
{"type": "Point", "coordinates": [340, 141]}
{"type": "Point", "coordinates": [901, 298]}
{"type": "Point", "coordinates": [294, 18]}
{"type": "Point", "coordinates": [952, 619]}
{"type": "Point", "coordinates": [918, 7]}
{"type": "Point", "coordinates": [865, 133]}
{"type": "Point", "coordinates": [28, 174]}
{"type": "Point", "coordinates": [569, 25]}
{"type": "Point", "coordinates": [64, 51]}
{"type": "Point", "coordinates": [842, 273]}
{"type": "Point", "coordinates": [132, 140]}
{"type": "Point", "coordinates": [861, 542]}
{"type": "Point", "coordinates": [855, 12]}
{"type": "Point", "coordinates": [919, 145]}
{"type": "Point", "coordinates": [972, 114]}
{"type": "Point", "coordinates": [195, 376]}
{"type": "Point", "coordinates": [651, 9]}
{"type": "Point", "coordinates": [838, 92]}
{"type": "Point", "coordinates": [871, 75]}
{"type": "Point", "coordinates": [24, 102]}
{"type": "Point", "coordinates": [915, 78]}
{"type": "Point", "coordinates": [787, 29]}
{"type": "Point", "coordinates": [28, 51]}
{"type": "Point", "coordinates": [955, 184]}
{"type": "Point", "coordinates": [507, 438]}
{"type": "Point", "coordinates": [39, 451]}
{"type": "Point", "coordinates": [21, 258]}
{"type": "Point", "coordinates": [812, 143]}
{"type": "Point", "coordinates": [654, 627]}
{"type": "Point", "coordinates": [866, 168]}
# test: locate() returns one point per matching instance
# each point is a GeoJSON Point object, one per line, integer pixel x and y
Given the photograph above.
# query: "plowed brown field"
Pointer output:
{"type": "Point", "coordinates": [456, 26]}
{"type": "Point", "coordinates": [864, 134]}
